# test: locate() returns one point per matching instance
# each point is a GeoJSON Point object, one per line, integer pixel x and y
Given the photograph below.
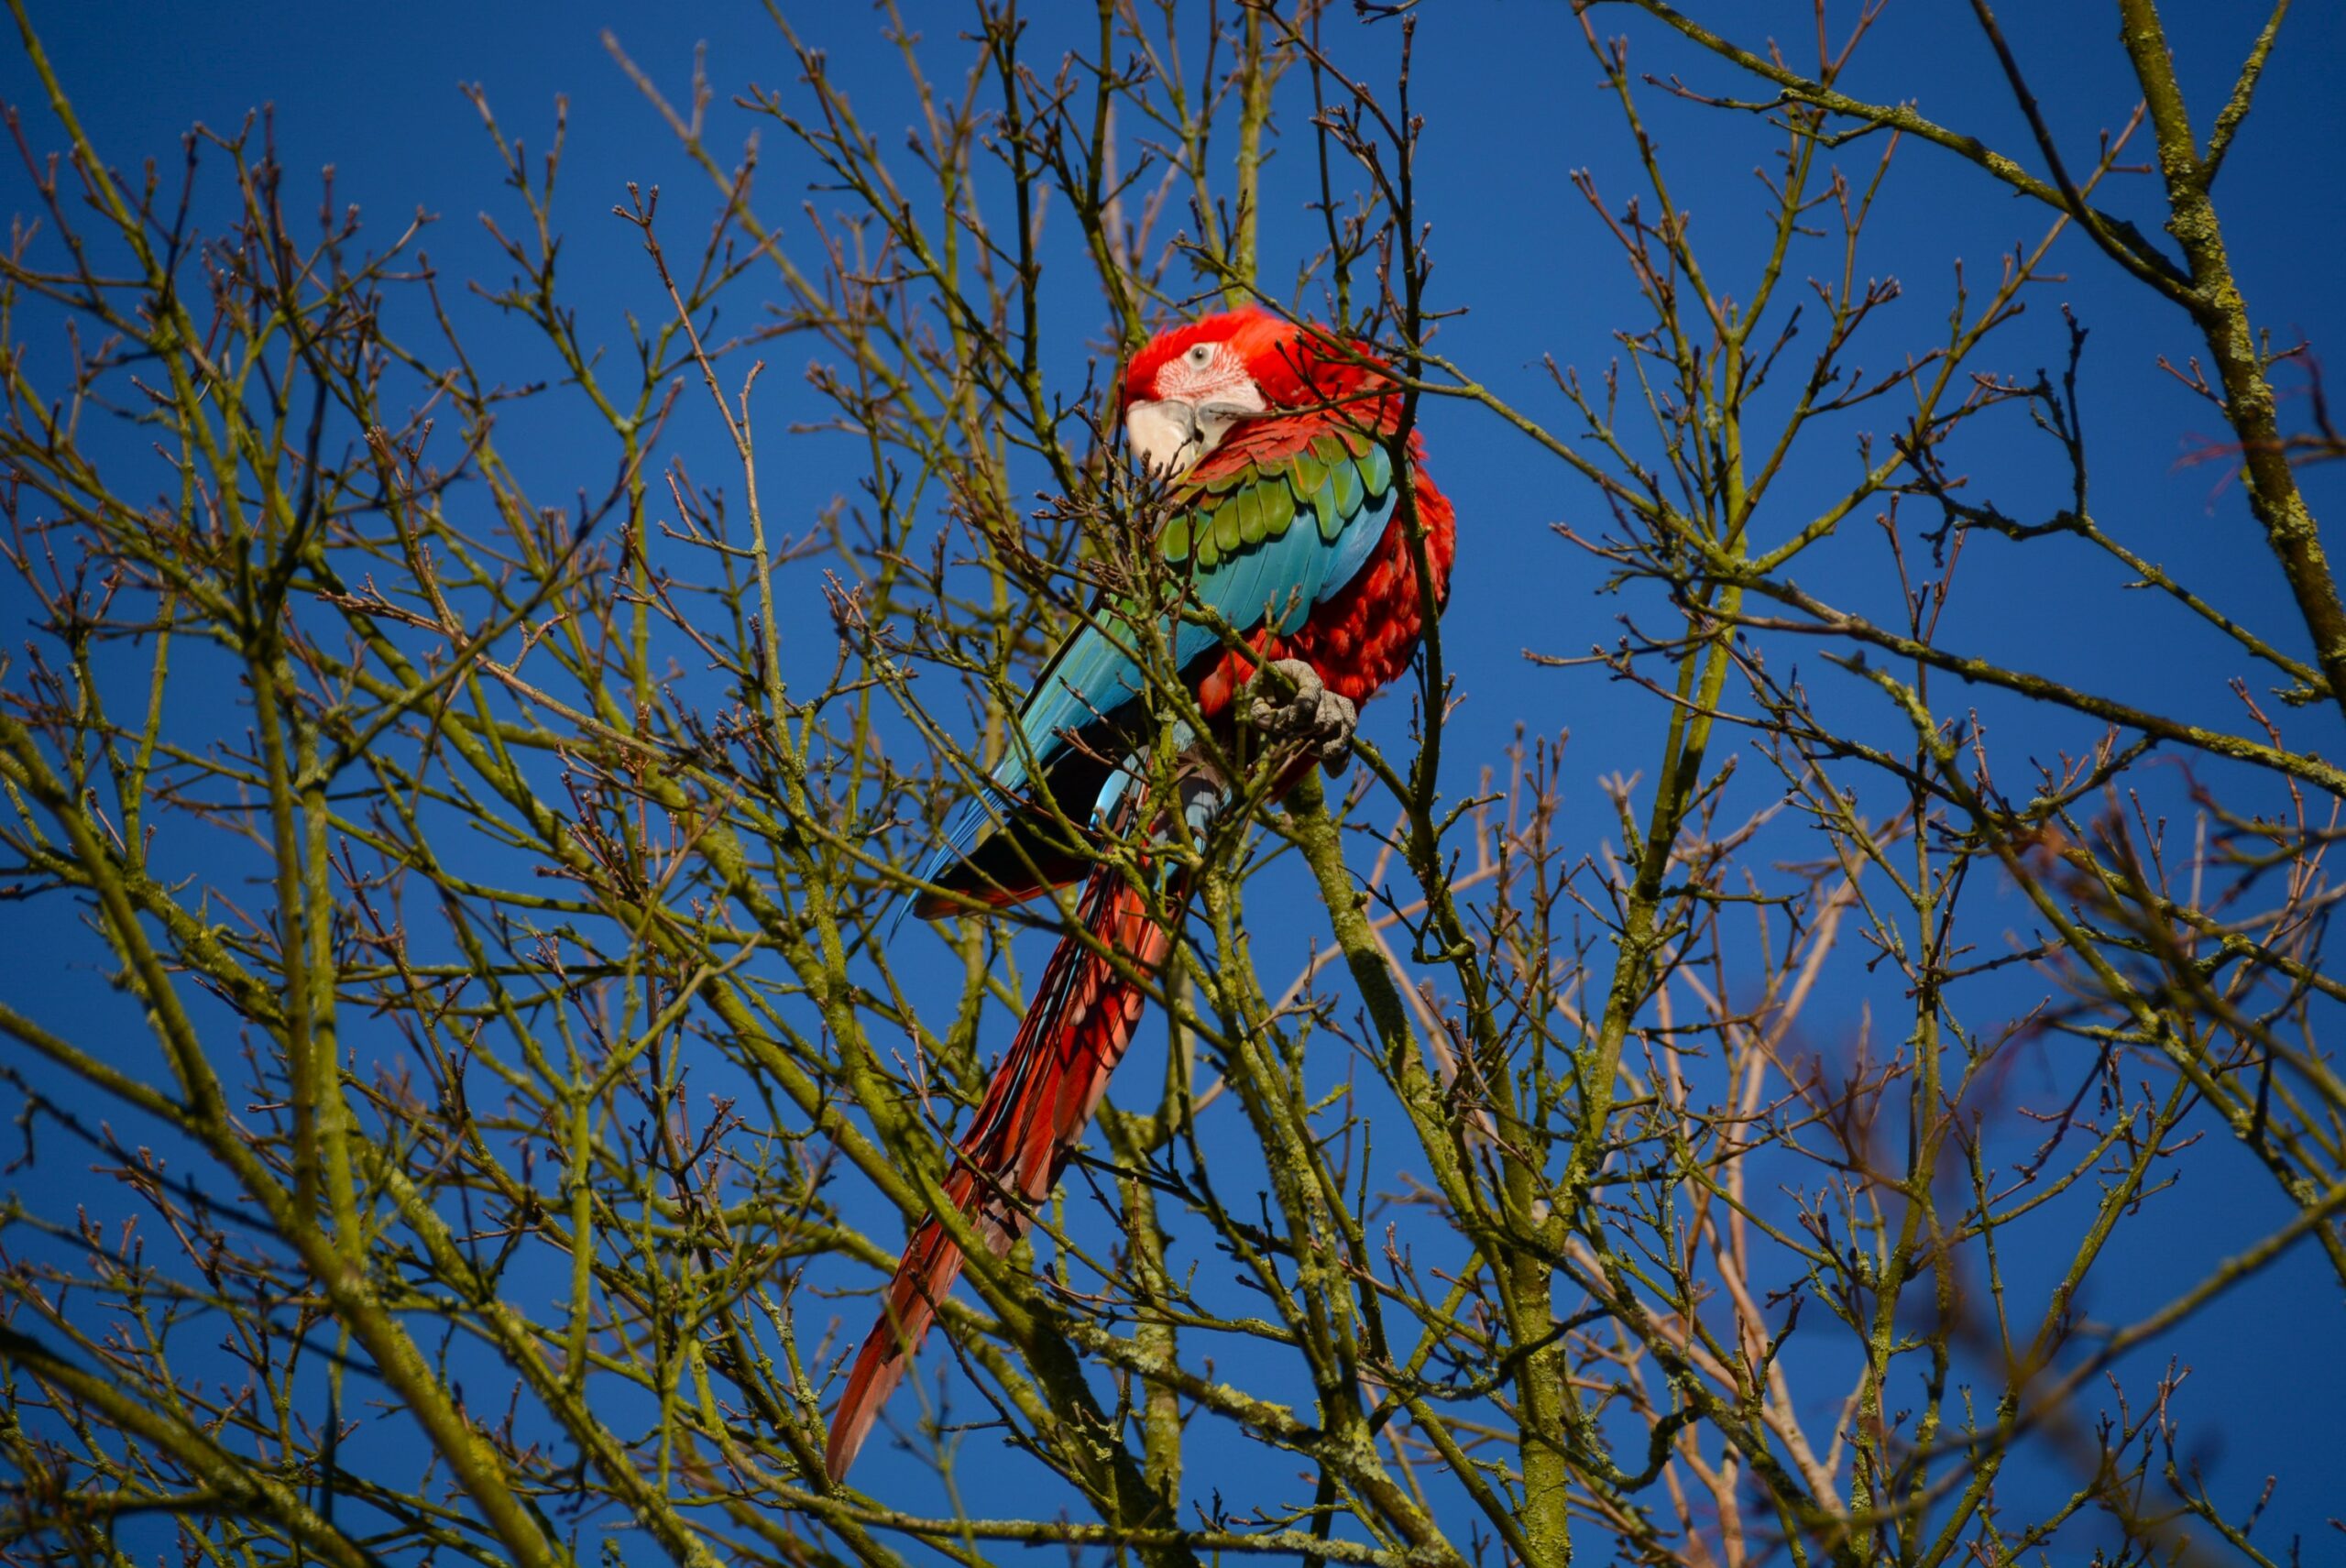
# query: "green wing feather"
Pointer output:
{"type": "Point", "coordinates": [1249, 562]}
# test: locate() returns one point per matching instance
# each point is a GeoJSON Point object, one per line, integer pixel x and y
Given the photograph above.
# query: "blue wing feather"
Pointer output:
{"type": "Point", "coordinates": [1277, 578]}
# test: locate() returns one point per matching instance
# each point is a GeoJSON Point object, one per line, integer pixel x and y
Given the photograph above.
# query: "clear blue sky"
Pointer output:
{"type": "Point", "coordinates": [1512, 104]}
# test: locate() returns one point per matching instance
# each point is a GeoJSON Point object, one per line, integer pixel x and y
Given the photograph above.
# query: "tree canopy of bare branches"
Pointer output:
{"type": "Point", "coordinates": [467, 1077]}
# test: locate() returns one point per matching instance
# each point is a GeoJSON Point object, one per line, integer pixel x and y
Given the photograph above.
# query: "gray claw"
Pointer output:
{"type": "Point", "coordinates": [1321, 720]}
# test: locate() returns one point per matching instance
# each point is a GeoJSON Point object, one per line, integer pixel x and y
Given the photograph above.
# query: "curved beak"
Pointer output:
{"type": "Point", "coordinates": [1164, 436]}
{"type": "Point", "coordinates": [1168, 436]}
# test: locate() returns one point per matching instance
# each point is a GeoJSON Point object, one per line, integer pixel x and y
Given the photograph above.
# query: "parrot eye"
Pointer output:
{"type": "Point", "coordinates": [1201, 355]}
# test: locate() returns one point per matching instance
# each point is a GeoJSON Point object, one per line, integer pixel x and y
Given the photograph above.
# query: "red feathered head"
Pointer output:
{"type": "Point", "coordinates": [1187, 387]}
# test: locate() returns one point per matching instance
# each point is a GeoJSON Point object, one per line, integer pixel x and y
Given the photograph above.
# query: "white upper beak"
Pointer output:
{"type": "Point", "coordinates": [1164, 436]}
{"type": "Point", "coordinates": [1168, 436]}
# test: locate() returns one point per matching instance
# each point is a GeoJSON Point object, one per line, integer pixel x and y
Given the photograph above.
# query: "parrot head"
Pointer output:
{"type": "Point", "coordinates": [1187, 389]}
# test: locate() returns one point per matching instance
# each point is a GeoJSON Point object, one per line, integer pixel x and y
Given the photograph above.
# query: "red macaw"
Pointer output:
{"type": "Point", "coordinates": [1286, 519]}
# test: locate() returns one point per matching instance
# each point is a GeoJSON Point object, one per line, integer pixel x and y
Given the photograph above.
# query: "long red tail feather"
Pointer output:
{"type": "Point", "coordinates": [1042, 1097]}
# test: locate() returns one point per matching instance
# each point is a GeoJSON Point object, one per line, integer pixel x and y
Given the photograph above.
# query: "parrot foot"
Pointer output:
{"type": "Point", "coordinates": [1302, 707]}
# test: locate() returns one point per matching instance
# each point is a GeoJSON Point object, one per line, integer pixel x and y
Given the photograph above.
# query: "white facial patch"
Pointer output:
{"type": "Point", "coordinates": [1198, 372]}
{"type": "Point", "coordinates": [1201, 394]}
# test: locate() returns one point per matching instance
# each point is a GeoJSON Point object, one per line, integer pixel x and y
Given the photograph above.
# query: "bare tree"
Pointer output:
{"type": "Point", "coordinates": [504, 1079]}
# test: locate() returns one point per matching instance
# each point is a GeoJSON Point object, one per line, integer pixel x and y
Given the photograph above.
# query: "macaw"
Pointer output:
{"type": "Point", "coordinates": [1284, 522]}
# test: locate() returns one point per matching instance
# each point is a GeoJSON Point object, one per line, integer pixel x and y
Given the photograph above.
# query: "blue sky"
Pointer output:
{"type": "Point", "coordinates": [1512, 103]}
